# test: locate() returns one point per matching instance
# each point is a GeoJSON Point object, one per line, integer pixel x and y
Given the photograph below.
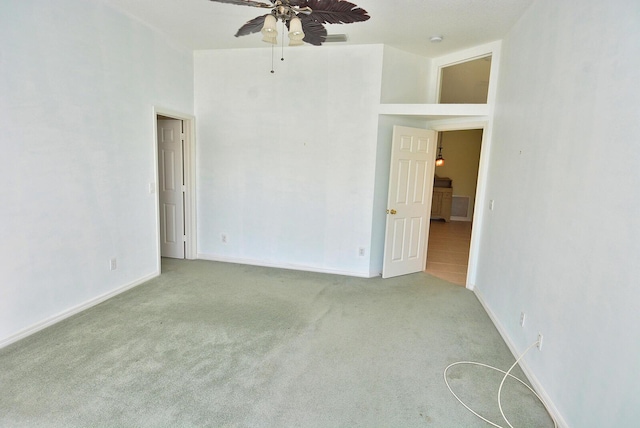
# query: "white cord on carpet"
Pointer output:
{"type": "Point", "coordinates": [506, 374]}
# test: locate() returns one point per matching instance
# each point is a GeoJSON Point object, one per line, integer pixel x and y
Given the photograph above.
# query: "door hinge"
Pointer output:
{"type": "Point", "coordinates": [182, 136]}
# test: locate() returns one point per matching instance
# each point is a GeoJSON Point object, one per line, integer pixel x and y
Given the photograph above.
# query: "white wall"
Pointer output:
{"type": "Point", "coordinates": [78, 83]}
{"type": "Point", "coordinates": [286, 161]}
{"type": "Point", "coordinates": [405, 77]}
{"type": "Point", "coordinates": [563, 242]}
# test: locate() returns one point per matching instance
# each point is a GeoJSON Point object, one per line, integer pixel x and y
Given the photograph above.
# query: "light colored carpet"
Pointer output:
{"type": "Point", "coordinates": [224, 345]}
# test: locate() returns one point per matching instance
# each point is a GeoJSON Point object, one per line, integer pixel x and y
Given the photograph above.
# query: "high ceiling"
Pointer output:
{"type": "Point", "coordinates": [404, 24]}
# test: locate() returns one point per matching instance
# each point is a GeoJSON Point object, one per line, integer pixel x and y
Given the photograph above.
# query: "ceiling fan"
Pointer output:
{"type": "Point", "coordinates": [304, 19]}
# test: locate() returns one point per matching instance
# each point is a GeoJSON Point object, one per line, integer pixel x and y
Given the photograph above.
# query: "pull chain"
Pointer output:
{"type": "Point", "coordinates": [272, 53]}
{"type": "Point", "coordinates": [283, 28]}
{"type": "Point", "coordinates": [273, 49]}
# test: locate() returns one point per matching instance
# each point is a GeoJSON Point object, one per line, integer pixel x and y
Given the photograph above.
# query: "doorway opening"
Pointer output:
{"type": "Point", "coordinates": [452, 210]}
{"type": "Point", "coordinates": [175, 174]}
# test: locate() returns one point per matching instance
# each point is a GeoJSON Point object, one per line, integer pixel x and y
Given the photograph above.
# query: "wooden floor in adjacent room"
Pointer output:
{"type": "Point", "coordinates": [448, 250]}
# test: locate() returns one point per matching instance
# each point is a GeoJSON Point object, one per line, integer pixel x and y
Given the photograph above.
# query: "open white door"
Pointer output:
{"type": "Point", "coordinates": [413, 154]}
{"type": "Point", "coordinates": [171, 188]}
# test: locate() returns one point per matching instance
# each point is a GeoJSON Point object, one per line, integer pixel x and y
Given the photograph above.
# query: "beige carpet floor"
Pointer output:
{"type": "Point", "coordinates": [221, 345]}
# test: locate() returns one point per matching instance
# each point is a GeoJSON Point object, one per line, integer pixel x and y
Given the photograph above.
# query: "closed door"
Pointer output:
{"type": "Point", "coordinates": [409, 204]}
{"type": "Point", "coordinates": [171, 188]}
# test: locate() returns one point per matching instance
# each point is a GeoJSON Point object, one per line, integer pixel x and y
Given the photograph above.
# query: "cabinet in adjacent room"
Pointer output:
{"type": "Point", "coordinates": [441, 203]}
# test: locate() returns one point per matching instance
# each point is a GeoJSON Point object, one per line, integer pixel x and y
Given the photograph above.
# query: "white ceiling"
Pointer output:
{"type": "Point", "coordinates": [404, 24]}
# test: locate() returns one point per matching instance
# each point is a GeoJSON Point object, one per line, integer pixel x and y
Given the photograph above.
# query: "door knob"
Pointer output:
{"type": "Point", "coordinates": [392, 212]}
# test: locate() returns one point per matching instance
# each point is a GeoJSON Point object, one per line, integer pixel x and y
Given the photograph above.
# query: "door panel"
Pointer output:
{"type": "Point", "coordinates": [169, 232]}
{"type": "Point", "coordinates": [415, 237]}
{"type": "Point", "coordinates": [404, 169]}
{"type": "Point", "coordinates": [398, 239]}
{"type": "Point", "coordinates": [409, 203]}
{"type": "Point", "coordinates": [171, 191]}
{"type": "Point", "coordinates": [168, 170]}
{"type": "Point", "coordinates": [419, 182]}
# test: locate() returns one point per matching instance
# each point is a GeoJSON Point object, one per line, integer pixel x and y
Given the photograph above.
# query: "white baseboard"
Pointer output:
{"type": "Point", "coordinates": [252, 262]}
{"type": "Point", "coordinates": [72, 311]}
{"type": "Point", "coordinates": [523, 364]}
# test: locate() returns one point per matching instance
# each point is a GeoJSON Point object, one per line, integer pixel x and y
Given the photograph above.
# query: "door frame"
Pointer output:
{"type": "Point", "coordinates": [481, 188]}
{"type": "Point", "coordinates": [462, 123]}
{"type": "Point", "coordinates": [189, 170]}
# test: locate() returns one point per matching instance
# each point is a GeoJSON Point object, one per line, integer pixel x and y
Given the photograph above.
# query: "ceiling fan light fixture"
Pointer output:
{"type": "Point", "coordinates": [271, 40]}
{"type": "Point", "coordinates": [269, 28]}
{"type": "Point", "coordinates": [295, 30]}
{"type": "Point", "coordinates": [295, 42]}
{"type": "Point", "coordinates": [305, 19]}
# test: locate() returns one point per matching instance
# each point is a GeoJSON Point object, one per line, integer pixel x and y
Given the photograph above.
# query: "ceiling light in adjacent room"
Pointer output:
{"type": "Point", "coordinates": [439, 158]}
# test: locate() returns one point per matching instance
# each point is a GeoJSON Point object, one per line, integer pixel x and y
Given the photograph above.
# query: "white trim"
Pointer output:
{"type": "Point", "coordinates": [73, 311]}
{"type": "Point", "coordinates": [289, 266]}
{"type": "Point", "coordinates": [190, 178]}
{"type": "Point", "coordinates": [523, 363]}
{"type": "Point", "coordinates": [456, 218]}
{"type": "Point", "coordinates": [442, 111]}
{"type": "Point", "coordinates": [458, 124]}
{"type": "Point", "coordinates": [478, 208]}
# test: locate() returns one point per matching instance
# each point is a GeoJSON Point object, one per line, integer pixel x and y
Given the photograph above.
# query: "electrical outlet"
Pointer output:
{"type": "Point", "coordinates": [361, 251]}
{"type": "Point", "coordinates": [523, 316]}
{"type": "Point", "coordinates": [223, 238]}
{"type": "Point", "coordinates": [539, 344]}
{"type": "Point", "coordinates": [113, 264]}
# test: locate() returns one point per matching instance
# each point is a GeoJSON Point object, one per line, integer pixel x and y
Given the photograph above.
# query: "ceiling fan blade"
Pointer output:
{"type": "Point", "coordinates": [253, 26]}
{"type": "Point", "coordinates": [335, 11]}
{"type": "Point", "coordinates": [314, 32]}
{"type": "Point", "coordinates": [246, 3]}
